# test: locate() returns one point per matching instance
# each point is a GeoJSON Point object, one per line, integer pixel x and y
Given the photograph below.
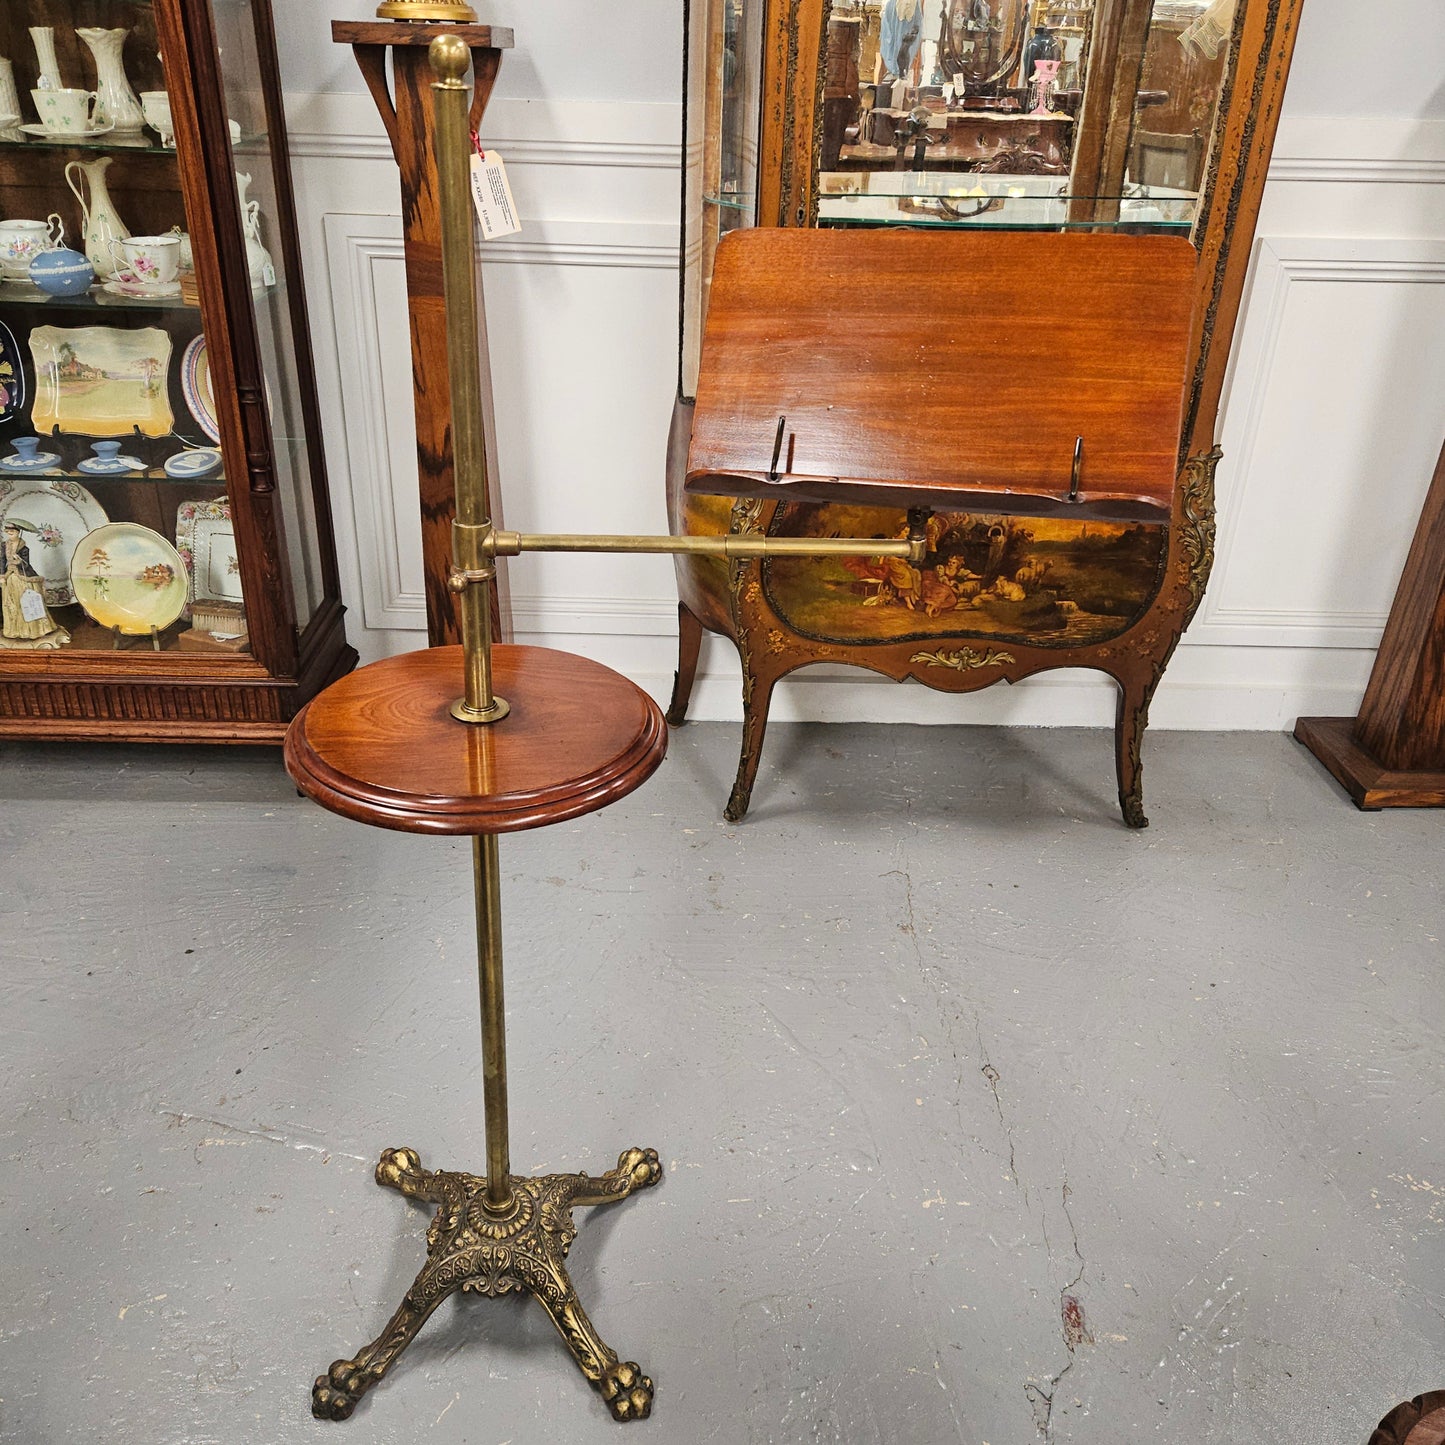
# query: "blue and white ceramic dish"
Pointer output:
{"type": "Point", "coordinates": [27, 457]}
{"type": "Point", "coordinates": [196, 462]}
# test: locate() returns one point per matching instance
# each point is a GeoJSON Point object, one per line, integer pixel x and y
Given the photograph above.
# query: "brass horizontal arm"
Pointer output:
{"type": "Point", "coordinates": [476, 548]}
{"type": "Point", "coordinates": [513, 544]}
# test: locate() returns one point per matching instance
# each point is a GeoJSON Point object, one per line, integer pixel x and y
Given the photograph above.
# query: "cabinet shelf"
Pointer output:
{"type": "Point", "coordinates": [128, 143]}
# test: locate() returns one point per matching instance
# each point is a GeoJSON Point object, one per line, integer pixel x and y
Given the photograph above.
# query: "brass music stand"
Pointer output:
{"type": "Point", "coordinates": [538, 736]}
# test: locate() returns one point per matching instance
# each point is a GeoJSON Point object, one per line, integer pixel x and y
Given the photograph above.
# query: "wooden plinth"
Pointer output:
{"type": "Point", "coordinates": [1367, 780]}
{"type": "Point", "coordinates": [1393, 754]}
{"type": "Point", "coordinates": [1420, 1421]}
{"type": "Point", "coordinates": [381, 746]}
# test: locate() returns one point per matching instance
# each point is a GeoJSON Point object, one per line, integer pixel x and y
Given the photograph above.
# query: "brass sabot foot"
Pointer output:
{"type": "Point", "coordinates": [475, 1249]}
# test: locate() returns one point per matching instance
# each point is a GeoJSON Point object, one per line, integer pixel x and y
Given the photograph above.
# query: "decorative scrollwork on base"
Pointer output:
{"type": "Point", "coordinates": [480, 1250]}
{"type": "Point", "coordinates": [966, 659]}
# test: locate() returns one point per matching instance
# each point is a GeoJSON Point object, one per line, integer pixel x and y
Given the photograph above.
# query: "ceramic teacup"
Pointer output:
{"type": "Point", "coordinates": [152, 259]}
{"type": "Point", "coordinates": [157, 107]}
{"type": "Point", "coordinates": [22, 241]}
{"type": "Point", "coordinates": [64, 112]}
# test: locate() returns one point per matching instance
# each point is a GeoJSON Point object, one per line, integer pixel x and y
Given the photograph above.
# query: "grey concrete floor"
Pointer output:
{"type": "Point", "coordinates": [984, 1119]}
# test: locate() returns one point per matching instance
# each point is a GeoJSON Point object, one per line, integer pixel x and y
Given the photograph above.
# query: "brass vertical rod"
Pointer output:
{"type": "Point", "coordinates": [450, 58]}
{"type": "Point", "coordinates": [488, 878]}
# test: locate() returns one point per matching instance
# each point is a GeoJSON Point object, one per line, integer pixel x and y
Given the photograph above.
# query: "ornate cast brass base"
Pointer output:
{"type": "Point", "coordinates": [471, 1247]}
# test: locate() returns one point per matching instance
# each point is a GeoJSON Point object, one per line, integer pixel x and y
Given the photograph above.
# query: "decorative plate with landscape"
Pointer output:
{"type": "Point", "coordinates": [57, 513]}
{"type": "Point", "coordinates": [128, 577]}
{"type": "Point", "coordinates": [101, 381]}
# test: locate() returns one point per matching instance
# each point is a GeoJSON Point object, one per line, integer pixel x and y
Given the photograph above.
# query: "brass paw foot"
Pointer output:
{"type": "Point", "coordinates": [478, 1249]}
{"type": "Point", "coordinates": [627, 1390]}
{"type": "Point", "coordinates": [334, 1395]}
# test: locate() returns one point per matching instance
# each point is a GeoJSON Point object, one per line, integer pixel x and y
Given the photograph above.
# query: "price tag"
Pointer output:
{"type": "Point", "coordinates": [32, 605]}
{"type": "Point", "coordinates": [492, 196]}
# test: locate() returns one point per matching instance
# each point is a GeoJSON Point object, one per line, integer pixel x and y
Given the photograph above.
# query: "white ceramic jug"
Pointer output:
{"type": "Point", "coordinates": [99, 223]}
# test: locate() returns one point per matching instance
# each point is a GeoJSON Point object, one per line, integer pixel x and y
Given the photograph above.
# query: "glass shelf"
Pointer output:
{"type": "Point", "coordinates": [17, 294]}
{"type": "Point", "coordinates": [732, 201]}
{"type": "Point", "coordinates": [215, 480]}
{"type": "Point", "coordinates": [126, 143]}
{"type": "Point", "coordinates": [959, 200]}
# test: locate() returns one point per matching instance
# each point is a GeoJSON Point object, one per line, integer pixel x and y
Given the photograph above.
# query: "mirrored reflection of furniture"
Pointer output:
{"type": "Point", "coordinates": [1393, 754]}
{"type": "Point", "coordinates": [392, 57]}
{"type": "Point", "coordinates": [168, 564]}
{"type": "Point", "coordinates": [1008, 596]}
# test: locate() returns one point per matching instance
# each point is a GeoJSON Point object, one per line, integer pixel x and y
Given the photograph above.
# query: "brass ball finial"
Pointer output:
{"type": "Point", "coordinates": [450, 56]}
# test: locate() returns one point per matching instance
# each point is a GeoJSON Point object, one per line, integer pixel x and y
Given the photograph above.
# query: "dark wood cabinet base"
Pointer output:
{"type": "Point", "coordinates": [1371, 784]}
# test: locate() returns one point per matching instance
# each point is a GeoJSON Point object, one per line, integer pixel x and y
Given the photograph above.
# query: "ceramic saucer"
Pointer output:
{"type": "Point", "coordinates": [141, 290]}
{"type": "Point", "coordinates": [38, 463]}
{"type": "Point", "coordinates": [198, 462]}
{"type": "Point", "coordinates": [47, 134]}
{"type": "Point", "coordinates": [109, 466]}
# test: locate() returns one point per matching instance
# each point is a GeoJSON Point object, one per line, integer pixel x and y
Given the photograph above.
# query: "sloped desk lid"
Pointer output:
{"type": "Point", "coordinates": [952, 370]}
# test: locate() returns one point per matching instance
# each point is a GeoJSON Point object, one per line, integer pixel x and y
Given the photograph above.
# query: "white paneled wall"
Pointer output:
{"type": "Point", "coordinates": [1334, 412]}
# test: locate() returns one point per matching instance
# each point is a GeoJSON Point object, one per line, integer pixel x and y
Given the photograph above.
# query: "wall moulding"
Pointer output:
{"type": "Point", "coordinates": [637, 135]}
{"type": "Point", "coordinates": [1367, 460]}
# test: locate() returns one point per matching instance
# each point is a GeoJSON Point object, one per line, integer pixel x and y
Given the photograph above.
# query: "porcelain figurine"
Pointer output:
{"type": "Point", "coordinates": [258, 258]}
{"type": "Point", "coordinates": [116, 104]}
{"type": "Point", "coordinates": [98, 219]}
{"type": "Point", "coordinates": [25, 621]}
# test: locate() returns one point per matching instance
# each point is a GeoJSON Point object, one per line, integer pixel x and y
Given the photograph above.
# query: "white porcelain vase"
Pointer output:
{"type": "Point", "coordinates": [43, 37]}
{"type": "Point", "coordinates": [116, 104]}
{"type": "Point", "coordinates": [9, 96]}
{"type": "Point", "coordinates": [99, 223]}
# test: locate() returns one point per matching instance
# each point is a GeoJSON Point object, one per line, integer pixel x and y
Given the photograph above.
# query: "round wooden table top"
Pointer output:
{"type": "Point", "coordinates": [382, 747]}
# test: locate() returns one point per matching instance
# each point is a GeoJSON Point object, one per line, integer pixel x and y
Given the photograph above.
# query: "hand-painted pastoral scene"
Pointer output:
{"type": "Point", "coordinates": [1045, 581]}
{"type": "Point", "coordinates": [101, 381]}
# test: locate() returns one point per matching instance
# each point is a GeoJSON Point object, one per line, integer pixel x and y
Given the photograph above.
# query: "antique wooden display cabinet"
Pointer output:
{"type": "Point", "coordinates": [1152, 116]}
{"type": "Point", "coordinates": [169, 570]}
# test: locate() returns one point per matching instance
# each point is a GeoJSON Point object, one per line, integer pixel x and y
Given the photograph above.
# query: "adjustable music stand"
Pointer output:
{"type": "Point", "coordinates": [394, 746]}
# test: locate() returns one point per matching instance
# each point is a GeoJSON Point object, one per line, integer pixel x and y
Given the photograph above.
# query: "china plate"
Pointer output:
{"type": "Point", "coordinates": [12, 375]}
{"type": "Point", "coordinates": [196, 462]}
{"type": "Point", "coordinates": [101, 381]}
{"type": "Point", "coordinates": [61, 512]}
{"type": "Point", "coordinates": [206, 538]}
{"type": "Point", "coordinates": [109, 466]}
{"type": "Point", "coordinates": [196, 384]}
{"type": "Point", "coordinates": [128, 577]}
{"type": "Point", "coordinates": [89, 133]}
{"type": "Point", "coordinates": [38, 463]}
{"type": "Point", "coordinates": [141, 290]}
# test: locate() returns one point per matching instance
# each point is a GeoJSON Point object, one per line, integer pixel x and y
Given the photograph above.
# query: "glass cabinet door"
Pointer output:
{"type": "Point", "coordinates": [114, 513]}
{"type": "Point", "coordinates": [278, 317]}
{"type": "Point", "coordinates": [723, 108]}
{"type": "Point", "coordinates": [1037, 115]}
